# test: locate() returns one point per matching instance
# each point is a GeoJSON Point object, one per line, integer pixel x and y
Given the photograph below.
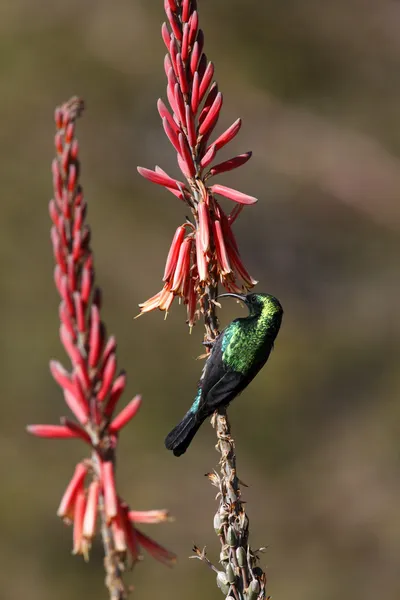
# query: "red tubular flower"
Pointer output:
{"type": "Point", "coordinates": [76, 484]}
{"type": "Point", "coordinates": [89, 521]}
{"type": "Point", "coordinates": [195, 106]}
{"type": "Point", "coordinates": [79, 546]}
{"type": "Point", "coordinates": [148, 516]}
{"type": "Point", "coordinates": [92, 386]}
{"type": "Point", "coordinates": [173, 253]}
{"type": "Point", "coordinates": [126, 414]}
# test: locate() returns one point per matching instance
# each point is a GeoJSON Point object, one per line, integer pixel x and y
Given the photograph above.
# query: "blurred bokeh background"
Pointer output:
{"type": "Point", "coordinates": [318, 87]}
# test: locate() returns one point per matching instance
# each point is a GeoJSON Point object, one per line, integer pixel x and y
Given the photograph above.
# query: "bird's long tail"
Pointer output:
{"type": "Point", "coordinates": [179, 438]}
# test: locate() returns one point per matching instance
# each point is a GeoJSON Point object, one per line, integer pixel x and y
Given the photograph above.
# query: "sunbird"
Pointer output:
{"type": "Point", "coordinates": [236, 356]}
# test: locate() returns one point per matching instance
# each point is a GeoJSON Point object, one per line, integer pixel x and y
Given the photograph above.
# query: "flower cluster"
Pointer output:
{"type": "Point", "coordinates": [204, 252]}
{"type": "Point", "coordinates": [92, 388]}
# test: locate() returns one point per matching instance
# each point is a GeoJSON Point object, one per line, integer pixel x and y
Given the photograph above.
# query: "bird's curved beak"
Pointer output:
{"type": "Point", "coordinates": [240, 297]}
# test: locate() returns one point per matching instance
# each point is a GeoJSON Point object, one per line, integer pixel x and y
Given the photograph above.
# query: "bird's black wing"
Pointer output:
{"type": "Point", "coordinates": [218, 383]}
{"type": "Point", "coordinates": [225, 390]}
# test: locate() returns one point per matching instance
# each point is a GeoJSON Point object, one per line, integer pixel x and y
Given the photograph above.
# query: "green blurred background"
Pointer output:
{"type": "Point", "coordinates": [317, 84]}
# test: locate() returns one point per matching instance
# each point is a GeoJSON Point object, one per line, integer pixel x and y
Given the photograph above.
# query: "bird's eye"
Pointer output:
{"type": "Point", "coordinates": [254, 298]}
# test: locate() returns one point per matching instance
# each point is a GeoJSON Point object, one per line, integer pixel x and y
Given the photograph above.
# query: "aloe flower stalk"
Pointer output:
{"type": "Point", "coordinates": [204, 250]}
{"type": "Point", "coordinates": [203, 255]}
{"type": "Point", "coordinates": [92, 387]}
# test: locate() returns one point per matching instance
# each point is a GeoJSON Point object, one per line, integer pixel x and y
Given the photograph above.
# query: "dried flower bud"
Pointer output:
{"type": "Point", "coordinates": [230, 574]}
{"type": "Point", "coordinates": [241, 557]}
{"type": "Point", "coordinates": [231, 537]}
{"type": "Point", "coordinates": [222, 582]}
{"type": "Point", "coordinates": [253, 589]}
{"type": "Point", "coordinates": [218, 523]}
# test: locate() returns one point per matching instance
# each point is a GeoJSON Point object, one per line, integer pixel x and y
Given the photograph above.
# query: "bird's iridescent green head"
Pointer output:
{"type": "Point", "coordinates": [259, 304]}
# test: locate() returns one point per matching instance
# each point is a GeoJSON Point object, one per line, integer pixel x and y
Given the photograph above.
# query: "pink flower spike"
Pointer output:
{"type": "Point", "coordinates": [206, 80]}
{"type": "Point", "coordinates": [115, 394]}
{"type": "Point", "coordinates": [110, 494]}
{"type": "Point", "coordinates": [201, 260]}
{"type": "Point", "coordinates": [220, 247]}
{"type": "Point", "coordinates": [79, 515]}
{"type": "Point", "coordinates": [52, 431]}
{"type": "Point", "coordinates": [194, 104]}
{"type": "Point", "coordinates": [228, 135]}
{"type": "Point", "coordinates": [171, 134]}
{"type": "Point", "coordinates": [211, 119]}
{"type": "Point", "coordinates": [68, 500]}
{"type": "Point", "coordinates": [155, 550]}
{"type": "Point", "coordinates": [89, 521]}
{"type": "Point", "coordinates": [160, 179]}
{"type": "Point", "coordinates": [148, 516]}
{"type": "Point", "coordinates": [203, 225]}
{"type": "Point", "coordinates": [107, 378]}
{"type": "Point", "coordinates": [126, 414]}
{"type": "Point", "coordinates": [232, 194]}
{"type": "Point", "coordinates": [232, 163]}
{"type": "Point", "coordinates": [173, 253]}
{"type": "Point", "coordinates": [208, 157]}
